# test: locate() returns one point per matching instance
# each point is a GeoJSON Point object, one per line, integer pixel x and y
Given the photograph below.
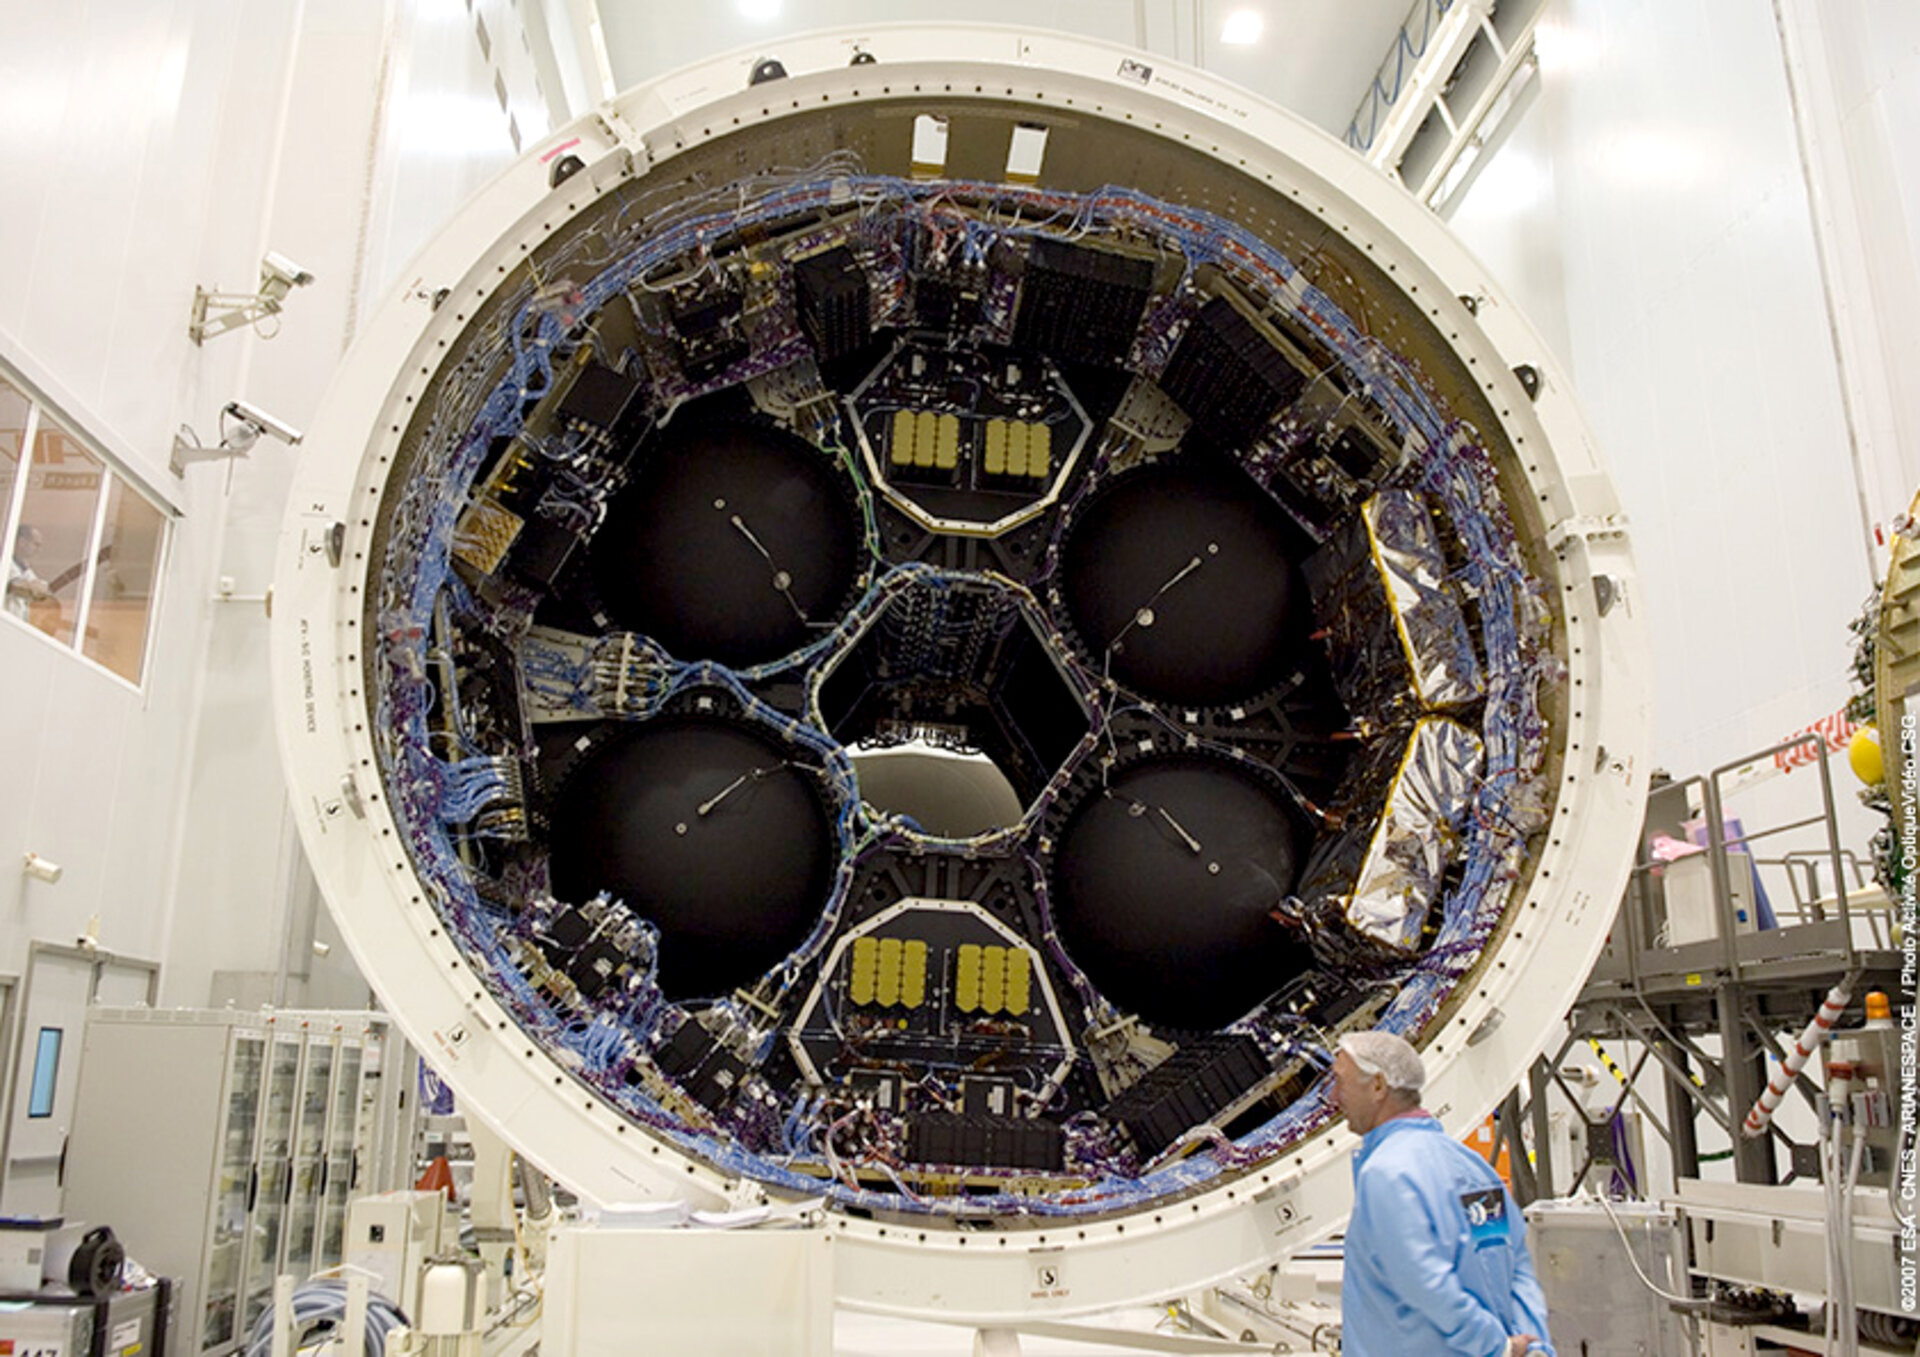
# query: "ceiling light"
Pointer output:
{"type": "Point", "coordinates": [1243, 28]}
{"type": "Point", "coordinates": [760, 11]}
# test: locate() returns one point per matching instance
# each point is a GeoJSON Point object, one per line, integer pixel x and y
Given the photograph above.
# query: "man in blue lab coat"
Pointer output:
{"type": "Point", "coordinates": [1436, 1252]}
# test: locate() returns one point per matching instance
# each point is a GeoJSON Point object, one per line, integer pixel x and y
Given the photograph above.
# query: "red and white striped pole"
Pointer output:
{"type": "Point", "coordinates": [1817, 1032]}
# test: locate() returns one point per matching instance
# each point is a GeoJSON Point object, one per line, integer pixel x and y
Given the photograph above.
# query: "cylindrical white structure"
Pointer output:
{"type": "Point", "coordinates": [452, 1297]}
{"type": "Point", "coordinates": [1003, 391]}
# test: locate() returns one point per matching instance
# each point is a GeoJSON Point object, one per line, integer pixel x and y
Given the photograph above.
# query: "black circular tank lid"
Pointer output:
{"type": "Point", "coordinates": [1180, 580]}
{"type": "Point", "coordinates": [1163, 886]}
{"type": "Point", "coordinates": [708, 829]}
{"type": "Point", "coordinates": [733, 541]}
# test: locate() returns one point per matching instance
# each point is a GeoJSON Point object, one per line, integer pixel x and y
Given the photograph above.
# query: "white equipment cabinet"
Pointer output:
{"type": "Point", "coordinates": [223, 1147]}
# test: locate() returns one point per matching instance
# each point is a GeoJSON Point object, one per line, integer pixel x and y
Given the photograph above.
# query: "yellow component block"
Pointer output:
{"type": "Point", "coordinates": [887, 986]}
{"type": "Point", "coordinates": [926, 427]}
{"type": "Point", "coordinates": [996, 449]}
{"type": "Point", "coordinates": [913, 973]}
{"type": "Point", "coordinates": [1017, 448]}
{"type": "Point", "coordinates": [1019, 996]}
{"type": "Point", "coordinates": [863, 970]}
{"type": "Point", "coordinates": [966, 978]}
{"type": "Point", "coordinates": [993, 979]}
{"type": "Point", "coordinates": [946, 442]}
{"type": "Point", "coordinates": [1039, 449]}
{"type": "Point", "coordinates": [900, 445]}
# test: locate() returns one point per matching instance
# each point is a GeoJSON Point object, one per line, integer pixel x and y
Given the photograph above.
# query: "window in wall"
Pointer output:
{"type": "Point", "coordinates": [126, 573]}
{"type": "Point", "coordinates": [57, 515]}
{"type": "Point", "coordinates": [86, 544]}
{"type": "Point", "coordinates": [16, 427]}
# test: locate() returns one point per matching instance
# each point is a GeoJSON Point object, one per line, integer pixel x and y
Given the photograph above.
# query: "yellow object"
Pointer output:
{"type": "Point", "coordinates": [485, 532]}
{"type": "Point", "coordinates": [1017, 435]}
{"type": "Point", "coordinates": [993, 979]}
{"type": "Point", "coordinates": [946, 442]}
{"type": "Point", "coordinates": [1039, 449]}
{"type": "Point", "coordinates": [1865, 756]}
{"type": "Point", "coordinates": [913, 974]}
{"type": "Point", "coordinates": [996, 455]}
{"type": "Point", "coordinates": [966, 978]}
{"type": "Point", "coordinates": [1607, 1060]}
{"type": "Point", "coordinates": [863, 973]}
{"type": "Point", "coordinates": [926, 425]}
{"type": "Point", "coordinates": [1878, 1009]}
{"type": "Point", "coordinates": [1019, 983]}
{"type": "Point", "coordinates": [887, 986]}
{"type": "Point", "coordinates": [900, 453]}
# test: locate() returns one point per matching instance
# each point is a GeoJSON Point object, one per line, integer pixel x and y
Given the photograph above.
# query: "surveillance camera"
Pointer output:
{"type": "Point", "coordinates": [262, 421]}
{"type": "Point", "coordinates": [277, 268]}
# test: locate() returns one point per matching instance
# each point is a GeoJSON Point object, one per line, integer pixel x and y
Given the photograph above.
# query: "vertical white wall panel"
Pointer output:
{"type": "Point", "coordinates": [156, 145]}
{"type": "Point", "coordinates": [1663, 148]}
{"type": "Point", "coordinates": [443, 135]}
{"type": "Point", "coordinates": [115, 134]}
{"type": "Point", "coordinates": [1855, 66]}
{"type": "Point", "coordinates": [390, 119]}
{"type": "Point", "coordinates": [1512, 219]}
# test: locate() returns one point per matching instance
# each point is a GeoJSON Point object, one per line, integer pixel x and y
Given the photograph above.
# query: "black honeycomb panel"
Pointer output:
{"type": "Point", "coordinates": [708, 358]}
{"type": "Point", "coordinates": [1228, 376]}
{"type": "Point", "coordinates": [1187, 1089]}
{"type": "Point", "coordinates": [944, 1138]}
{"type": "Point", "coordinates": [832, 299]}
{"type": "Point", "coordinates": [943, 304]}
{"type": "Point", "coordinates": [1081, 304]}
{"type": "Point", "coordinates": [592, 969]}
{"type": "Point", "coordinates": [542, 551]}
{"type": "Point", "coordinates": [706, 1071]}
{"type": "Point", "coordinates": [568, 929]}
{"type": "Point", "coordinates": [1355, 453]}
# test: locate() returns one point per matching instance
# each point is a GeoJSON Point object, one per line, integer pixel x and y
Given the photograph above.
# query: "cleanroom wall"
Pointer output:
{"type": "Point", "coordinates": [1709, 210]}
{"type": "Point", "coordinates": [156, 147]}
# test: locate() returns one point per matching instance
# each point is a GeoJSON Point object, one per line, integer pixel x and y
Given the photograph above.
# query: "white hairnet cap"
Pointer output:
{"type": "Point", "coordinates": [1386, 1054]}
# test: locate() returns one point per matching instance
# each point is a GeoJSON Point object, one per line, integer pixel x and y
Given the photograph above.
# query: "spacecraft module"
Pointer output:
{"type": "Point", "coordinates": [780, 456]}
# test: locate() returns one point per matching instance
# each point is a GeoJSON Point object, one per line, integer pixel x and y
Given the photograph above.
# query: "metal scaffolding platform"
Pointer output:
{"type": "Point", "coordinates": [1700, 952]}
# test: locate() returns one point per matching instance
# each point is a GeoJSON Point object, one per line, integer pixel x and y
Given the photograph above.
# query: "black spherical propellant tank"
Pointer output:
{"type": "Point", "coordinates": [708, 830]}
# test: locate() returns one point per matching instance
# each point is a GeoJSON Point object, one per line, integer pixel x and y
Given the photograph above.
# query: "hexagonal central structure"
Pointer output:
{"type": "Point", "coordinates": [962, 665]}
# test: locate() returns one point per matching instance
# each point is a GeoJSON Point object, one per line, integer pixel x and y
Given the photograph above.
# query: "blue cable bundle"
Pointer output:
{"type": "Point", "coordinates": [319, 1310]}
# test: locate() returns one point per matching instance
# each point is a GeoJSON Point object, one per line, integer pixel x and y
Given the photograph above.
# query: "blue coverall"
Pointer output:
{"type": "Point", "coordinates": [1436, 1253]}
